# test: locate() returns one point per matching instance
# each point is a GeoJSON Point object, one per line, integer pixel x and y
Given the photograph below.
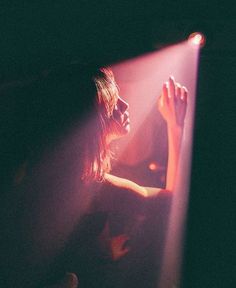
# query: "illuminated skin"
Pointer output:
{"type": "Point", "coordinates": [120, 122]}
{"type": "Point", "coordinates": [121, 117]}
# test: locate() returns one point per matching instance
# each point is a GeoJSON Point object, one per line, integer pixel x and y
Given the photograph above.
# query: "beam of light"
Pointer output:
{"type": "Point", "coordinates": [140, 81]}
{"type": "Point", "coordinates": [171, 268]}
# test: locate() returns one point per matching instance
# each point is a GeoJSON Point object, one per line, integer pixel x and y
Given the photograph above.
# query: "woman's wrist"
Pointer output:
{"type": "Point", "coordinates": [175, 129]}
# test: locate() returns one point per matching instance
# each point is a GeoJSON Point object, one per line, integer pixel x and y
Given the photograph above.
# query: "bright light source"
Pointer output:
{"type": "Point", "coordinates": [197, 39]}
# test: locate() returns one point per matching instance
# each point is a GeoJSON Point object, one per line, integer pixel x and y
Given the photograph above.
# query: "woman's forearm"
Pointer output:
{"type": "Point", "coordinates": [175, 133]}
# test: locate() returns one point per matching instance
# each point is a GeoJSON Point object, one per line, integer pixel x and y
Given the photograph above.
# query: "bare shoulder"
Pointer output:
{"type": "Point", "coordinates": [134, 187]}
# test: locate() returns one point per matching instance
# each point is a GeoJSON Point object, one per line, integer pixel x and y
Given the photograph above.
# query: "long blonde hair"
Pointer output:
{"type": "Point", "coordinates": [46, 108]}
{"type": "Point", "coordinates": [97, 153]}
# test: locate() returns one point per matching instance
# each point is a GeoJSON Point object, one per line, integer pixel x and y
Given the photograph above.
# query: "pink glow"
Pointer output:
{"type": "Point", "coordinates": [140, 81]}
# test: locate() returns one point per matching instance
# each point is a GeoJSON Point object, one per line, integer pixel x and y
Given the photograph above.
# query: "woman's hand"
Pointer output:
{"type": "Point", "coordinates": [172, 103]}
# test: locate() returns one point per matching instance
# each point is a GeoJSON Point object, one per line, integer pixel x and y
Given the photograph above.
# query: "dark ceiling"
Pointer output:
{"type": "Point", "coordinates": [46, 33]}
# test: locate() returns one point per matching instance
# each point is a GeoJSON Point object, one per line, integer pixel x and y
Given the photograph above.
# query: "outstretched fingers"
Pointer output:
{"type": "Point", "coordinates": [172, 103]}
{"type": "Point", "coordinates": [181, 108]}
{"type": "Point", "coordinates": [171, 83]}
{"type": "Point", "coordinates": [184, 94]}
{"type": "Point", "coordinates": [178, 91]}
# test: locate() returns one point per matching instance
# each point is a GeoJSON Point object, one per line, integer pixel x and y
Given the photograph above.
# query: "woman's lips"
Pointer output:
{"type": "Point", "coordinates": [126, 116]}
{"type": "Point", "coordinates": [126, 122]}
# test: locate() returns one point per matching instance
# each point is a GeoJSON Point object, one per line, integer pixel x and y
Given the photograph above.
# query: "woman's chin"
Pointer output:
{"type": "Point", "coordinates": [127, 128]}
{"type": "Point", "coordinates": [124, 130]}
{"type": "Point", "coordinates": [121, 133]}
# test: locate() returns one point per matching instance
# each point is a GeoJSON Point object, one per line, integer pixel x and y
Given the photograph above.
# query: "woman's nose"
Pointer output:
{"type": "Point", "coordinates": [123, 105]}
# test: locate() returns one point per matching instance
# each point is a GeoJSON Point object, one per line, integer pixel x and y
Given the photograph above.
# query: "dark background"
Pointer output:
{"type": "Point", "coordinates": [49, 33]}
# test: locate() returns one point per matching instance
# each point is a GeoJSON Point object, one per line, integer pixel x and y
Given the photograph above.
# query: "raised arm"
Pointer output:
{"type": "Point", "coordinates": [172, 105]}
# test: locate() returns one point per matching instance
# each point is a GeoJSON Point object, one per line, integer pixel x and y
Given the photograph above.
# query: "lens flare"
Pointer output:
{"type": "Point", "coordinates": [153, 166]}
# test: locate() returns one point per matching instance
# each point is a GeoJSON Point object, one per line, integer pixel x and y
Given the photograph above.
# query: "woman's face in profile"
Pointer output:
{"type": "Point", "coordinates": [120, 122]}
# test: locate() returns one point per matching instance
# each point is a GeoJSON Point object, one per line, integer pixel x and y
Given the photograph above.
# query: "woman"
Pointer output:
{"type": "Point", "coordinates": [172, 105]}
{"type": "Point", "coordinates": [85, 103]}
{"type": "Point", "coordinates": [110, 122]}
